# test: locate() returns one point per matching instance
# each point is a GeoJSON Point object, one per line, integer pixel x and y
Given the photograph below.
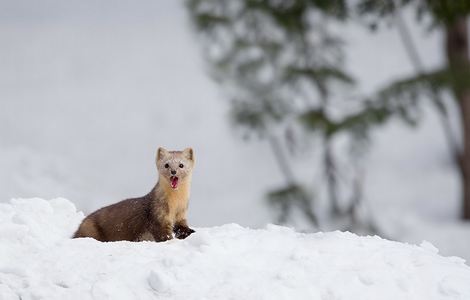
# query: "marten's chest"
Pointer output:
{"type": "Point", "coordinates": [177, 202]}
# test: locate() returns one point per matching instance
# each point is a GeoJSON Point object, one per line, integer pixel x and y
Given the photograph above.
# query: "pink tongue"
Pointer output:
{"type": "Point", "coordinates": [174, 182]}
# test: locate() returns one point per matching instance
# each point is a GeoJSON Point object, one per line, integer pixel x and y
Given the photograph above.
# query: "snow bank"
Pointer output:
{"type": "Point", "coordinates": [38, 260]}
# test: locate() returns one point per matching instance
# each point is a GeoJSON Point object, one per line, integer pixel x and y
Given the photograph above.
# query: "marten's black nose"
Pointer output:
{"type": "Point", "coordinates": [173, 172]}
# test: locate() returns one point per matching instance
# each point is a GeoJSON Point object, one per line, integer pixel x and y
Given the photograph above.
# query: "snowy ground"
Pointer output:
{"type": "Point", "coordinates": [38, 260]}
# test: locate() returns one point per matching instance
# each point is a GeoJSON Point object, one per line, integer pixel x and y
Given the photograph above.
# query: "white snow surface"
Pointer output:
{"type": "Point", "coordinates": [39, 260]}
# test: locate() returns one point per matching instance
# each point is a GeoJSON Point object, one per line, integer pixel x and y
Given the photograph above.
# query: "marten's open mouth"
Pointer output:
{"type": "Point", "coordinates": [174, 181]}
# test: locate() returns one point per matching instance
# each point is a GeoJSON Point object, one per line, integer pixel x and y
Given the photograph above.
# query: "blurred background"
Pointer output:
{"type": "Point", "coordinates": [321, 115]}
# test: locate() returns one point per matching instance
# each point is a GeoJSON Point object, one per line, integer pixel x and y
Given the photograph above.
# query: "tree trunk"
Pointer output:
{"type": "Point", "coordinates": [457, 50]}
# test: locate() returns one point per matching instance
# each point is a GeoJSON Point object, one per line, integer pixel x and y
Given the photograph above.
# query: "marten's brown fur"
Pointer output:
{"type": "Point", "coordinates": [155, 216]}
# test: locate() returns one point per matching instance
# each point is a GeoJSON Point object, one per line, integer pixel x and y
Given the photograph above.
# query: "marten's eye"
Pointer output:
{"type": "Point", "coordinates": [181, 166]}
{"type": "Point", "coordinates": [167, 166]}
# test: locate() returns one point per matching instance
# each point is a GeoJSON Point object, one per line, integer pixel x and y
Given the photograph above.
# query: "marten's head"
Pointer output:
{"type": "Point", "coordinates": [175, 167]}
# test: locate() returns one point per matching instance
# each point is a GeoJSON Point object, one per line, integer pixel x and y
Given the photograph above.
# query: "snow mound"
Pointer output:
{"type": "Point", "coordinates": [38, 260]}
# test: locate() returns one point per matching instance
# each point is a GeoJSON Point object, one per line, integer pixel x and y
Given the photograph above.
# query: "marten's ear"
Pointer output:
{"type": "Point", "coordinates": [188, 153]}
{"type": "Point", "coordinates": [161, 153]}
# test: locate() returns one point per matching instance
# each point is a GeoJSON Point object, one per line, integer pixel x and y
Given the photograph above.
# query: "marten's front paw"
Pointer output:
{"type": "Point", "coordinates": [183, 232]}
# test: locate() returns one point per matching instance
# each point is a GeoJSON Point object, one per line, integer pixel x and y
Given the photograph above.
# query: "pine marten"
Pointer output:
{"type": "Point", "coordinates": [155, 216]}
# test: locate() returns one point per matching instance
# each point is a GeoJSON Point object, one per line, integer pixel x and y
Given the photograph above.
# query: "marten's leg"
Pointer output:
{"type": "Point", "coordinates": [88, 228]}
{"type": "Point", "coordinates": [182, 229]}
{"type": "Point", "coordinates": [161, 230]}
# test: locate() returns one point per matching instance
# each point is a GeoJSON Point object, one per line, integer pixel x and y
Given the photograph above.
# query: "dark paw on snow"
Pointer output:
{"type": "Point", "coordinates": [183, 232]}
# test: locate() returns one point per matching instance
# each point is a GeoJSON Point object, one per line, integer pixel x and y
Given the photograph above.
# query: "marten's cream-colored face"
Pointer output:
{"type": "Point", "coordinates": [175, 166]}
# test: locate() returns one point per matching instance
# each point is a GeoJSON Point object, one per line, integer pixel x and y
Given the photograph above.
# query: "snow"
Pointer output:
{"type": "Point", "coordinates": [38, 260]}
